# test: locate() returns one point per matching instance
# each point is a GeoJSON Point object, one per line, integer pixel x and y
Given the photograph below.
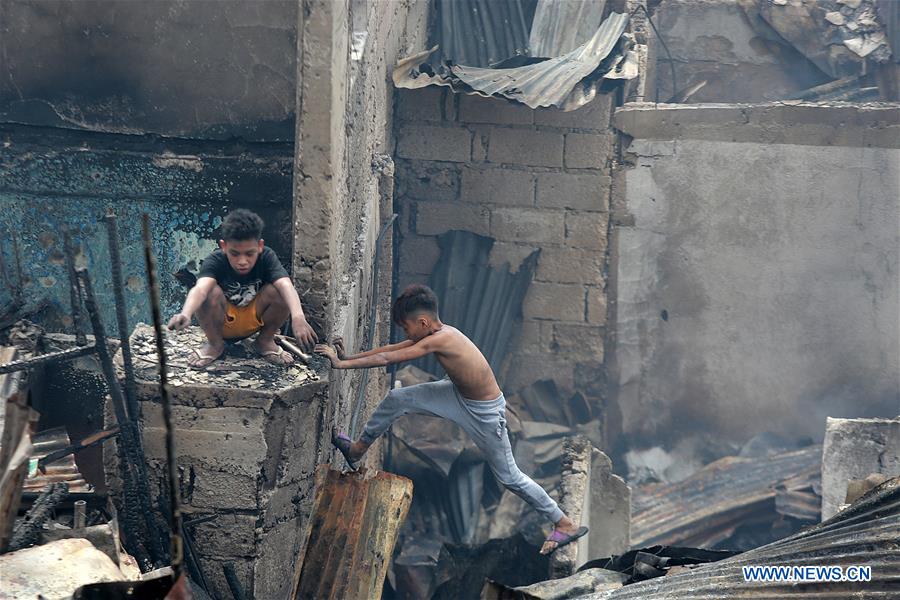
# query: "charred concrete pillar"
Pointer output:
{"type": "Point", "coordinates": [247, 437]}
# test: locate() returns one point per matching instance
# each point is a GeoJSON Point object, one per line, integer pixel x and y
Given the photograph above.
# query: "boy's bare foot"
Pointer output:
{"type": "Point", "coordinates": [565, 532]}
{"type": "Point", "coordinates": [205, 355]}
{"type": "Point", "coordinates": [272, 352]}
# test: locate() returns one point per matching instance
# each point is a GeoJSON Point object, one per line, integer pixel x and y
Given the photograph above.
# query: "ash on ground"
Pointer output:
{"type": "Point", "coordinates": [238, 367]}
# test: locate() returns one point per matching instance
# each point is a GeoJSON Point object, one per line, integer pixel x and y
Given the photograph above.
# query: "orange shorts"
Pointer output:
{"type": "Point", "coordinates": [241, 321]}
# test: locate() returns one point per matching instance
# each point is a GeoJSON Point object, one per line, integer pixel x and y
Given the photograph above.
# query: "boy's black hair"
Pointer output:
{"type": "Point", "coordinates": [415, 298]}
{"type": "Point", "coordinates": [240, 225]}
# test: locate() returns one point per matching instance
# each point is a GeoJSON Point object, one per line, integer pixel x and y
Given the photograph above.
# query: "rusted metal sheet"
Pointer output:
{"type": "Point", "coordinates": [566, 82]}
{"type": "Point", "coordinates": [707, 507]}
{"type": "Point", "coordinates": [61, 470]}
{"type": "Point", "coordinates": [867, 533]}
{"type": "Point", "coordinates": [350, 534]}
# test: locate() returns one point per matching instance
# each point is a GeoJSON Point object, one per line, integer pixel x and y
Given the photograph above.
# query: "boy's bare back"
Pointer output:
{"type": "Point", "coordinates": [464, 364]}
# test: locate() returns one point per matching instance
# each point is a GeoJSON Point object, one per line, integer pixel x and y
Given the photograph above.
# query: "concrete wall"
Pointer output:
{"type": "Point", "coordinates": [716, 41]}
{"type": "Point", "coordinates": [172, 67]}
{"type": "Point", "coordinates": [755, 254]}
{"type": "Point", "coordinates": [530, 180]}
{"type": "Point", "coordinates": [340, 200]}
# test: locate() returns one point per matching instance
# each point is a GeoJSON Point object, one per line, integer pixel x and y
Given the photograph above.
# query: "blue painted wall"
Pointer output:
{"type": "Point", "coordinates": [51, 178]}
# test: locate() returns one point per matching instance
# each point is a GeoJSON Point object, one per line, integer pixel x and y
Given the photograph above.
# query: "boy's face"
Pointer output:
{"type": "Point", "coordinates": [416, 327]}
{"type": "Point", "coordinates": [242, 254]}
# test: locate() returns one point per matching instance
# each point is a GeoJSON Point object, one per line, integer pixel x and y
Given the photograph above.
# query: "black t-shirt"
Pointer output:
{"type": "Point", "coordinates": [241, 290]}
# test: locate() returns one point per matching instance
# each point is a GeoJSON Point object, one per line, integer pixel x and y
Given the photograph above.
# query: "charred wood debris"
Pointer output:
{"type": "Point", "coordinates": [115, 549]}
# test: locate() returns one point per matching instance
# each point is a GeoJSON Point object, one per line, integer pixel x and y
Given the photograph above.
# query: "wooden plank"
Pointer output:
{"type": "Point", "coordinates": [350, 534]}
{"type": "Point", "coordinates": [19, 423]}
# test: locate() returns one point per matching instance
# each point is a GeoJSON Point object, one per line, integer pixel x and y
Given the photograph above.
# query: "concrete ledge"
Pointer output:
{"type": "Point", "coordinates": [786, 122]}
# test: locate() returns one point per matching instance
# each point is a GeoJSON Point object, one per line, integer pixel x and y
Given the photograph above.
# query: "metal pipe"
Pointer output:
{"type": "Point", "coordinates": [19, 277]}
{"type": "Point", "coordinates": [80, 515]}
{"type": "Point", "coordinates": [134, 471]}
{"type": "Point", "coordinates": [43, 359]}
{"type": "Point", "coordinates": [74, 295]}
{"type": "Point", "coordinates": [177, 550]}
{"type": "Point", "coordinates": [121, 316]}
{"type": "Point", "coordinates": [288, 345]}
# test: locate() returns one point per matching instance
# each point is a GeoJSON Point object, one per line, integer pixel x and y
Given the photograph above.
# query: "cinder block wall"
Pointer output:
{"type": "Point", "coordinates": [529, 179]}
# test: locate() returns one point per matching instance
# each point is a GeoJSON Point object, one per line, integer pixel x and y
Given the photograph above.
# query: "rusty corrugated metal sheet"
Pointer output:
{"type": "Point", "coordinates": [566, 82]}
{"type": "Point", "coordinates": [707, 507]}
{"type": "Point", "coordinates": [65, 469]}
{"type": "Point", "coordinates": [867, 533]}
{"type": "Point", "coordinates": [560, 26]}
{"type": "Point", "coordinates": [483, 32]}
{"type": "Point", "coordinates": [350, 534]}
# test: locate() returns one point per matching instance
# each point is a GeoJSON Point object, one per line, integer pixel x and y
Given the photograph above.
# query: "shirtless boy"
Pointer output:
{"type": "Point", "coordinates": [470, 398]}
{"type": "Point", "coordinates": [241, 289]}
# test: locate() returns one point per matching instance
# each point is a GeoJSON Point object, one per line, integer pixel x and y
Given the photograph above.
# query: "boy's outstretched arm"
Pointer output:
{"type": "Point", "coordinates": [388, 348]}
{"type": "Point", "coordinates": [383, 358]}
{"type": "Point", "coordinates": [195, 298]}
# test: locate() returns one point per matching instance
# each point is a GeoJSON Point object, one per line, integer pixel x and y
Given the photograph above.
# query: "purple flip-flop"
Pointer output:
{"type": "Point", "coordinates": [562, 539]}
{"type": "Point", "coordinates": [342, 442]}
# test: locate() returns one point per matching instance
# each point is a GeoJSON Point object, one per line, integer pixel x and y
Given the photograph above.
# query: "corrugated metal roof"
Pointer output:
{"type": "Point", "coordinates": [560, 26]}
{"type": "Point", "coordinates": [350, 535]}
{"type": "Point", "coordinates": [483, 32]}
{"type": "Point", "coordinates": [566, 82]}
{"type": "Point", "coordinates": [708, 506]}
{"type": "Point", "coordinates": [481, 301]}
{"type": "Point", "coordinates": [867, 533]}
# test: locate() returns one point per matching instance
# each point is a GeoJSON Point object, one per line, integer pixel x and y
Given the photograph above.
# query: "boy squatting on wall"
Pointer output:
{"type": "Point", "coordinates": [242, 288]}
{"type": "Point", "coordinates": [470, 397]}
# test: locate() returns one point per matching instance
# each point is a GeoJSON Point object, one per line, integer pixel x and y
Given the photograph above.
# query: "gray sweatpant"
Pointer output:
{"type": "Point", "coordinates": [484, 421]}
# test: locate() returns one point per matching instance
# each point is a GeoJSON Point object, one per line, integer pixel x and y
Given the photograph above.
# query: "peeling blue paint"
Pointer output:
{"type": "Point", "coordinates": [46, 186]}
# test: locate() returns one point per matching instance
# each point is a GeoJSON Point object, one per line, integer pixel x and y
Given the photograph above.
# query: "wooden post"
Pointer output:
{"type": "Point", "coordinates": [350, 534]}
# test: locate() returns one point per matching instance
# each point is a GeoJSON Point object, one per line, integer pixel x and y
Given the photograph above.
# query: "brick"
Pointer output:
{"type": "Point", "coordinates": [526, 369]}
{"type": "Point", "coordinates": [425, 104]}
{"type": "Point", "coordinates": [584, 191]}
{"type": "Point", "coordinates": [557, 301]}
{"type": "Point", "coordinates": [232, 419]}
{"type": "Point", "coordinates": [475, 109]}
{"type": "Point", "coordinates": [532, 337]}
{"type": "Point", "coordinates": [588, 150]}
{"type": "Point", "coordinates": [497, 186]}
{"type": "Point", "coordinates": [434, 218]}
{"type": "Point", "coordinates": [235, 453]}
{"type": "Point", "coordinates": [419, 254]}
{"type": "Point", "coordinates": [570, 265]}
{"type": "Point", "coordinates": [584, 341]}
{"type": "Point", "coordinates": [587, 230]}
{"type": "Point", "coordinates": [596, 306]}
{"type": "Point", "coordinates": [593, 115]}
{"type": "Point", "coordinates": [526, 147]}
{"type": "Point", "coordinates": [222, 491]}
{"type": "Point", "coordinates": [503, 253]}
{"type": "Point", "coordinates": [227, 535]}
{"type": "Point", "coordinates": [451, 144]}
{"type": "Point", "coordinates": [528, 225]}
{"type": "Point", "coordinates": [481, 139]}
{"type": "Point", "coordinates": [427, 180]}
